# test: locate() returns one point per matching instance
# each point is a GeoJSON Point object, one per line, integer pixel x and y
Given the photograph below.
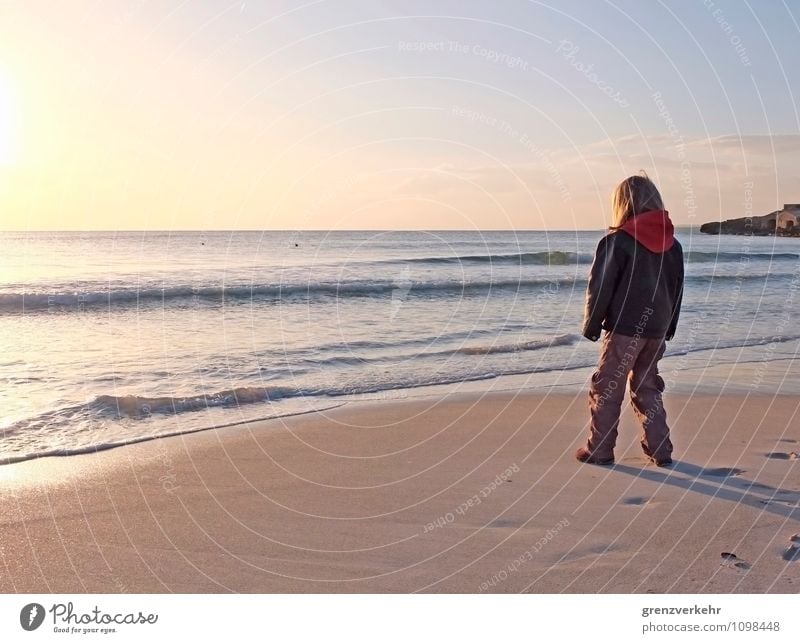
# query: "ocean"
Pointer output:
{"type": "Point", "coordinates": [115, 337]}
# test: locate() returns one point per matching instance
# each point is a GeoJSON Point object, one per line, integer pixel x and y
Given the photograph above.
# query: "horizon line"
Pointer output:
{"type": "Point", "coordinates": [129, 230]}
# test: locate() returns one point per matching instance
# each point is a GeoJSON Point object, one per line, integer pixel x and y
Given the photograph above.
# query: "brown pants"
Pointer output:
{"type": "Point", "coordinates": [622, 357]}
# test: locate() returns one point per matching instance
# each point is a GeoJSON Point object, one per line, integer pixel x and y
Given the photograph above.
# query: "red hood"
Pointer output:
{"type": "Point", "coordinates": [653, 229]}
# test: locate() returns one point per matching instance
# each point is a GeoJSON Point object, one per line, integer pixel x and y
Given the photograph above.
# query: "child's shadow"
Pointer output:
{"type": "Point", "coordinates": [724, 483]}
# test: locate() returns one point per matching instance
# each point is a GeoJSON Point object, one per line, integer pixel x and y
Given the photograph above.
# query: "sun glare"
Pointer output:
{"type": "Point", "coordinates": [7, 121]}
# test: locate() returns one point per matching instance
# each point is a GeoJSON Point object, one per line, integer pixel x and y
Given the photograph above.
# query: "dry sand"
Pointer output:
{"type": "Point", "coordinates": [456, 493]}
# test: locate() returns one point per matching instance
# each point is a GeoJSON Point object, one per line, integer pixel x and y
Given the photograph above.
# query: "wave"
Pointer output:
{"type": "Point", "coordinates": [140, 407]}
{"type": "Point", "coordinates": [128, 408]}
{"type": "Point", "coordinates": [736, 343]}
{"type": "Point", "coordinates": [136, 408]}
{"type": "Point", "coordinates": [493, 349]}
{"type": "Point", "coordinates": [547, 258]}
{"type": "Point", "coordinates": [728, 277]}
{"type": "Point", "coordinates": [22, 302]}
{"type": "Point", "coordinates": [723, 257]}
{"type": "Point", "coordinates": [17, 302]}
{"type": "Point", "coordinates": [113, 444]}
{"type": "Point", "coordinates": [351, 359]}
{"type": "Point", "coordinates": [426, 340]}
{"type": "Point", "coordinates": [33, 302]}
{"type": "Point", "coordinates": [567, 258]}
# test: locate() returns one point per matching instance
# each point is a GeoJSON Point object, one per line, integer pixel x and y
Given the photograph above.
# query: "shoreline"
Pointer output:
{"type": "Point", "coordinates": [684, 372]}
{"type": "Point", "coordinates": [359, 498]}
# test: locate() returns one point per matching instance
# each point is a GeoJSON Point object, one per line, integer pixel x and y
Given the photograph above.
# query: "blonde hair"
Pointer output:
{"type": "Point", "coordinates": [634, 195]}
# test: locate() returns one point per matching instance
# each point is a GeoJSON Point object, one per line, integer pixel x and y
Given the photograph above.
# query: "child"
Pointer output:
{"type": "Point", "coordinates": [634, 294]}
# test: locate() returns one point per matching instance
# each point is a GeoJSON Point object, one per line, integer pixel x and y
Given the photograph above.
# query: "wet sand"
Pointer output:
{"type": "Point", "coordinates": [456, 493]}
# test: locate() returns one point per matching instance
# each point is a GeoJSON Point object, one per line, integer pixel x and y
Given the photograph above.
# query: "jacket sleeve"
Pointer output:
{"type": "Point", "coordinates": [603, 279]}
{"type": "Point", "coordinates": [676, 309]}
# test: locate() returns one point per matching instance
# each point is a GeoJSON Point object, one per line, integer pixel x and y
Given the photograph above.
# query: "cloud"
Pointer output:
{"type": "Point", "coordinates": [701, 178]}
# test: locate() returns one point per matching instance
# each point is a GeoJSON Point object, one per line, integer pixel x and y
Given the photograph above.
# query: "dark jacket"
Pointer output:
{"type": "Point", "coordinates": [636, 280]}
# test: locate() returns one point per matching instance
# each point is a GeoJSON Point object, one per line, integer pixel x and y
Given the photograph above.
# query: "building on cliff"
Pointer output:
{"type": "Point", "coordinates": [784, 222]}
{"type": "Point", "coordinates": [786, 219]}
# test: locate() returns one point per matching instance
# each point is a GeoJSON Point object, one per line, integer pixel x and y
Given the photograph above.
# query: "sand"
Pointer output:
{"type": "Point", "coordinates": [462, 492]}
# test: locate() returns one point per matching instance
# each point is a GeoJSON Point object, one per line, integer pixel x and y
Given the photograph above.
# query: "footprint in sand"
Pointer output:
{"type": "Point", "coordinates": [792, 555]}
{"type": "Point", "coordinates": [779, 455]}
{"type": "Point", "coordinates": [778, 501]}
{"type": "Point", "coordinates": [722, 472]}
{"type": "Point", "coordinates": [636, 501]}
{"type": "Point", "coordinates": [733, 561]}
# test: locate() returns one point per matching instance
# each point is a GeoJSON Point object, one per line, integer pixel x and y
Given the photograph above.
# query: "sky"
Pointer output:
{"type": "Point", "coordinates": [392, 114]}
